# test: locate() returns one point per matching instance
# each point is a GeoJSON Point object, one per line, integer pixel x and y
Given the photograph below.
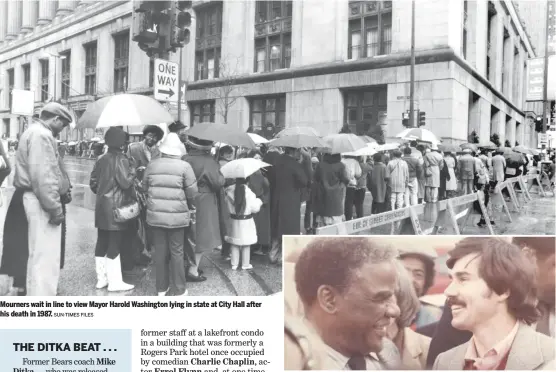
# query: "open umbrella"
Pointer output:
{"type": "Point", "coordinates": [308, 131]}
{"type": "Point", "coordinates": [221, 133]}
{"type": "Point", "coordinates": [449, 148]}
{"type": "Point", "coordinates": [418, 134]}
{"type": "Point", "coordinates": [387, 147]}
{"type": "Point", "coordinates": [298, 141]}
{"type": "Point", "coordinates": [471, 146]}
{"type": "Point", "coordinates": [367, 139]}
{"type": "Point", "coordinates": [523, 150]}
{"type": "Point", "coordinates": [506, 150]}
{"type": "Point", "coordinates": [257, 138]}
{"type": "Point", "coordinates": [124, 110]}
{"type": "Point", "coordinates": [365, 151]}
{"type": "Point", "coordinates": [487, 145]}
{"type": "Point", "coordinates": [343, 142]}
{"type": "Point", "coordinates": [242, 168]}
{"type": "Point", "coordinates": [95, 139]}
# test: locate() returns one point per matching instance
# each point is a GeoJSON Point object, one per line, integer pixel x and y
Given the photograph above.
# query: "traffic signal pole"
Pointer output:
{"type": "Point", "coordinates": [179, 83]}
{"type": "Point", "coordinates": [412, 69]}
{"type": "Point", "coordinates": [545, 89]}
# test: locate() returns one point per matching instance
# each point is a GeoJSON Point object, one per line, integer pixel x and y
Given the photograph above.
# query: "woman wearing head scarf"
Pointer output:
{"type": "Point", "coordinates": [112, 181]}
{"type": "Point", "coordinates": [170, 185]}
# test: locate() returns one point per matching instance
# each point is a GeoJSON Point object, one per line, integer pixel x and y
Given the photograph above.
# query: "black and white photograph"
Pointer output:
{"type": "Point", "coordinates": [420, 303]}
{"type": "Point", "coordinates": [164, 148]}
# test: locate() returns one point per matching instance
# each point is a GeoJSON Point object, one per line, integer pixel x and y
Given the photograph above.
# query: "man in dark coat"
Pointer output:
{"type": "Point", "coordinates": [289, 178]}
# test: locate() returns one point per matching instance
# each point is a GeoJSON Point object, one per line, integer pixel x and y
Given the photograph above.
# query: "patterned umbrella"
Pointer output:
{"type": "Point", "coordinates": [124, 110]}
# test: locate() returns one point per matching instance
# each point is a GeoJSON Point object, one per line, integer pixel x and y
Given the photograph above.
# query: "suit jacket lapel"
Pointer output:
{"type": "Point", "coordinates": [458, 358]}
{"type": "Point", "coordinates": [525, 353]}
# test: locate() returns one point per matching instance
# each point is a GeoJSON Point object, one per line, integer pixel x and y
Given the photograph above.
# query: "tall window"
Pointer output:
{"type": "Point", "coordinates": [202, 112]}
{"type": "Point", "coordinates": [490, 47]}
{"type": "Point", "coordinates": [66, 74]}
{"type": "Point", "coordinates": [268, 115]}
{"type": "Point", "coordinates": [515, 76]}
{"type": "Point", "coordinates": [11, 82]}
{"type": "Point", "coordinates": [273, 35]}
{"type": "Point", "coordinates": [121, 61]}
{"type": "Point", "coordinates": [44, 79]}
{"type": "Point", "coordinates": [26, 76]}
{"type": "Point", "coordinates": [370, 28]}
{"type": "Point", "coordinates": [464, 33]}
{"type": "Point", "coordinates": [506, 40]}
{"type": "Point", "coordinates": [91, 68]}
{"type": "Point", "coordinates": [364, 108]}
{"type": "Point", "coordinates": [208, 41]}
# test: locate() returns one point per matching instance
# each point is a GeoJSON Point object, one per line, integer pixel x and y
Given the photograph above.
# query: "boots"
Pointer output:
{"type": "Point", "coordinates": [246, 258]}
{"type": "Point", "coordinates": [114, 273]}
{"type": "Point", "coordinates": [102, 279]}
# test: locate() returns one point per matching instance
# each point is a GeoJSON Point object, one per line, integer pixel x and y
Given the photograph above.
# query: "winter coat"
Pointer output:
{"type": "Point", "coordinates": [498, 168]}
{"type": "Point", "coordinates": [36, 166]}
{"type": "Point", "coordinates": [365, 175]}
{"type": "Point", "coordinates": [112, 181]}
{"type": "Point", "coordinates": [353, 170]}
{"type": "Point", "coordinates": [242, 231]}
{"type": "Point", "coordinates": [138, 151]}
{"type": "Point", "coordinates": [209, 183]}
{"type": "Point", "coordinates": [288, 178]}
{"type": "Point", "coordinates": [377, 184]}
{"type": "Point", "coordinates": [261, 188]}
{"type": "Point", "coordinates": [169, 183]}
{"type": "Point", "coordinates": [466, 167]}
{"type": "Point", "coordinates": [331, 178]}
{"type": "Point", "coordinates": [433, 162]}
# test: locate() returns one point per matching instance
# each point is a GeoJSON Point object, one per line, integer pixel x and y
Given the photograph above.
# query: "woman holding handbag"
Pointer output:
{"type": "Point", "coordinates": [112, 181]}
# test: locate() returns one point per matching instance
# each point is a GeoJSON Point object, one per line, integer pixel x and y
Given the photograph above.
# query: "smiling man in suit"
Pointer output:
{"type": "Point", "coordinates": [347, 287]}
{"type": "Point", "coordinates": [493, 295]}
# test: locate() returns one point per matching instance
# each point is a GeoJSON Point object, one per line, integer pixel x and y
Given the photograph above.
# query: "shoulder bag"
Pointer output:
{"type": "Point", "coordinates": [130, 211]}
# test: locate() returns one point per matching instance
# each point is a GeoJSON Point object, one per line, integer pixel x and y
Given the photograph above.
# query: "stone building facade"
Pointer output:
{"type": "Point", "coordinates": [268, 65]}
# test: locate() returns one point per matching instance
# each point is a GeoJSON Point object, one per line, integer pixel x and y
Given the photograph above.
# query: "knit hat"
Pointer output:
{"type": "Point", "coordinates": [172, 145]}
{"type": "Point", "coordinates": [115, 137]}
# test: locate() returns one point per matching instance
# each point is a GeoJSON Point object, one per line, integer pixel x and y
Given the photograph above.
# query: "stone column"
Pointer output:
{"type": "Point", "coordinates": [77, 68]}
{"type": "Point", "coordinates": [65, 7]}
{"type": "Point", "coordinates": [14, 19]}
{"type": "Point", "coordinates": [30, 14]}
{"type": "Point", "coordinates": [510, 131]}
{"type": "Point", "coordinates": [47, 9]}
{"type": "Point", "coordinates": [36, 78]}
{"type": "Point", "coordinates": [3, 20]}
{"type": "Point", "coordinates": [105, 70]}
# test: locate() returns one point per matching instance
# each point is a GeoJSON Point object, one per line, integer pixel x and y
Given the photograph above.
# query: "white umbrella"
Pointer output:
{"type": "Point", "coordinates": [95, 139]}
{"type": "Point", "coordinates": [242, 168]}
{"type": "Point", "coordinates": [369, 150]}
{"type": "Point", "coordinates": [257, 139]}
{"type": "Point", "coordinates": [344, 142]}
{"type": "Point", "coordinates": [418, 134]}
{"type": "Point", "coordinates": [72, 143]}
{"type": "Point", "coordinates": [387, 147]}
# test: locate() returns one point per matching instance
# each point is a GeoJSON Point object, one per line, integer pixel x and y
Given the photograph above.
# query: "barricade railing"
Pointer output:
{"type": "Point", "coordinates": [441, 212]}
{"type": "Point", "coordinates": [498, 196]}
{"type": "Point", "coordinates": [446, 214]}
{"type": "Point", "coordinates": [409, 216]}
{"type": "Point", "coordinates": [537, 177]}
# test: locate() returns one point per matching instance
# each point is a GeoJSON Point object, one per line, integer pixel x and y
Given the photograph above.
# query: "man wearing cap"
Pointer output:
{"type": "Point", "coordinates": [38, 180]}
{"type": "Point", "coordinates": [465, 171]}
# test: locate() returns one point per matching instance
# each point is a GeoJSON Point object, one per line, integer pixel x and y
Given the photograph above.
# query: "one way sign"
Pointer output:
{"type": "Point", "coordinates": [166, 83]}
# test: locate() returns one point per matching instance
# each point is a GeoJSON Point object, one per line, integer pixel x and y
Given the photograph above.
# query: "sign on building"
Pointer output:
{"type": "Point", "coordinates": [23, 102]}
{"type": "Point", "coordinates": [535, 79]}
{"type": "Point", "coordinates": [543, 138]}
{"type": "Point", "coordinates": [166, 83]}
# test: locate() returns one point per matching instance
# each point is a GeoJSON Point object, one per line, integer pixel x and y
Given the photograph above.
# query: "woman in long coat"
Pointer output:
{"type": "Point", "coordinates": [377, 185]}
{"type": "Point", "coordinates": [209, 183]}
{"type": "Point", "coordinates": [289, 177]}
{"type": "Point", "coordinates": [433, 164]}
{"type": "Point", "coordinates": [112, 182]}
{"type": "Point", "coordinates": [331, 178]}
{"type": "Point", "coordinates": [261, 188]}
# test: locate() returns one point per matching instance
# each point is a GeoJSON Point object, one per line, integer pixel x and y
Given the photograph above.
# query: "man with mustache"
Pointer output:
{"type": "Point", "coordinates": [347, 286]}
{"type": "Point", "coordinates": [493, 295]}
{"type": "Point", "coordinates": [541, 250]}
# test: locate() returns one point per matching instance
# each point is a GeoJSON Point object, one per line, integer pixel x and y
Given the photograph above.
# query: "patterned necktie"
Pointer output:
{"type": "Point", "coordinates": [357, 363]}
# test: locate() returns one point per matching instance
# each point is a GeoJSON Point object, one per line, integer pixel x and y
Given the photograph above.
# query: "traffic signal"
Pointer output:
{"type": "Point", "coordinates": [422, 118]}
{"type": "Point", "coordinates": [180, 23]}
{"type": "Point", "coordinates": [405, 119]}
{"type": "Point", "coordinates": [148, 19]}
{"type": "Point", "coordinates": [538, 124]}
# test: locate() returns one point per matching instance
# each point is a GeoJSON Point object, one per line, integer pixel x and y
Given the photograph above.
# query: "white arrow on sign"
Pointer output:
{"type": "Point", "coordinates": [166, 82]}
